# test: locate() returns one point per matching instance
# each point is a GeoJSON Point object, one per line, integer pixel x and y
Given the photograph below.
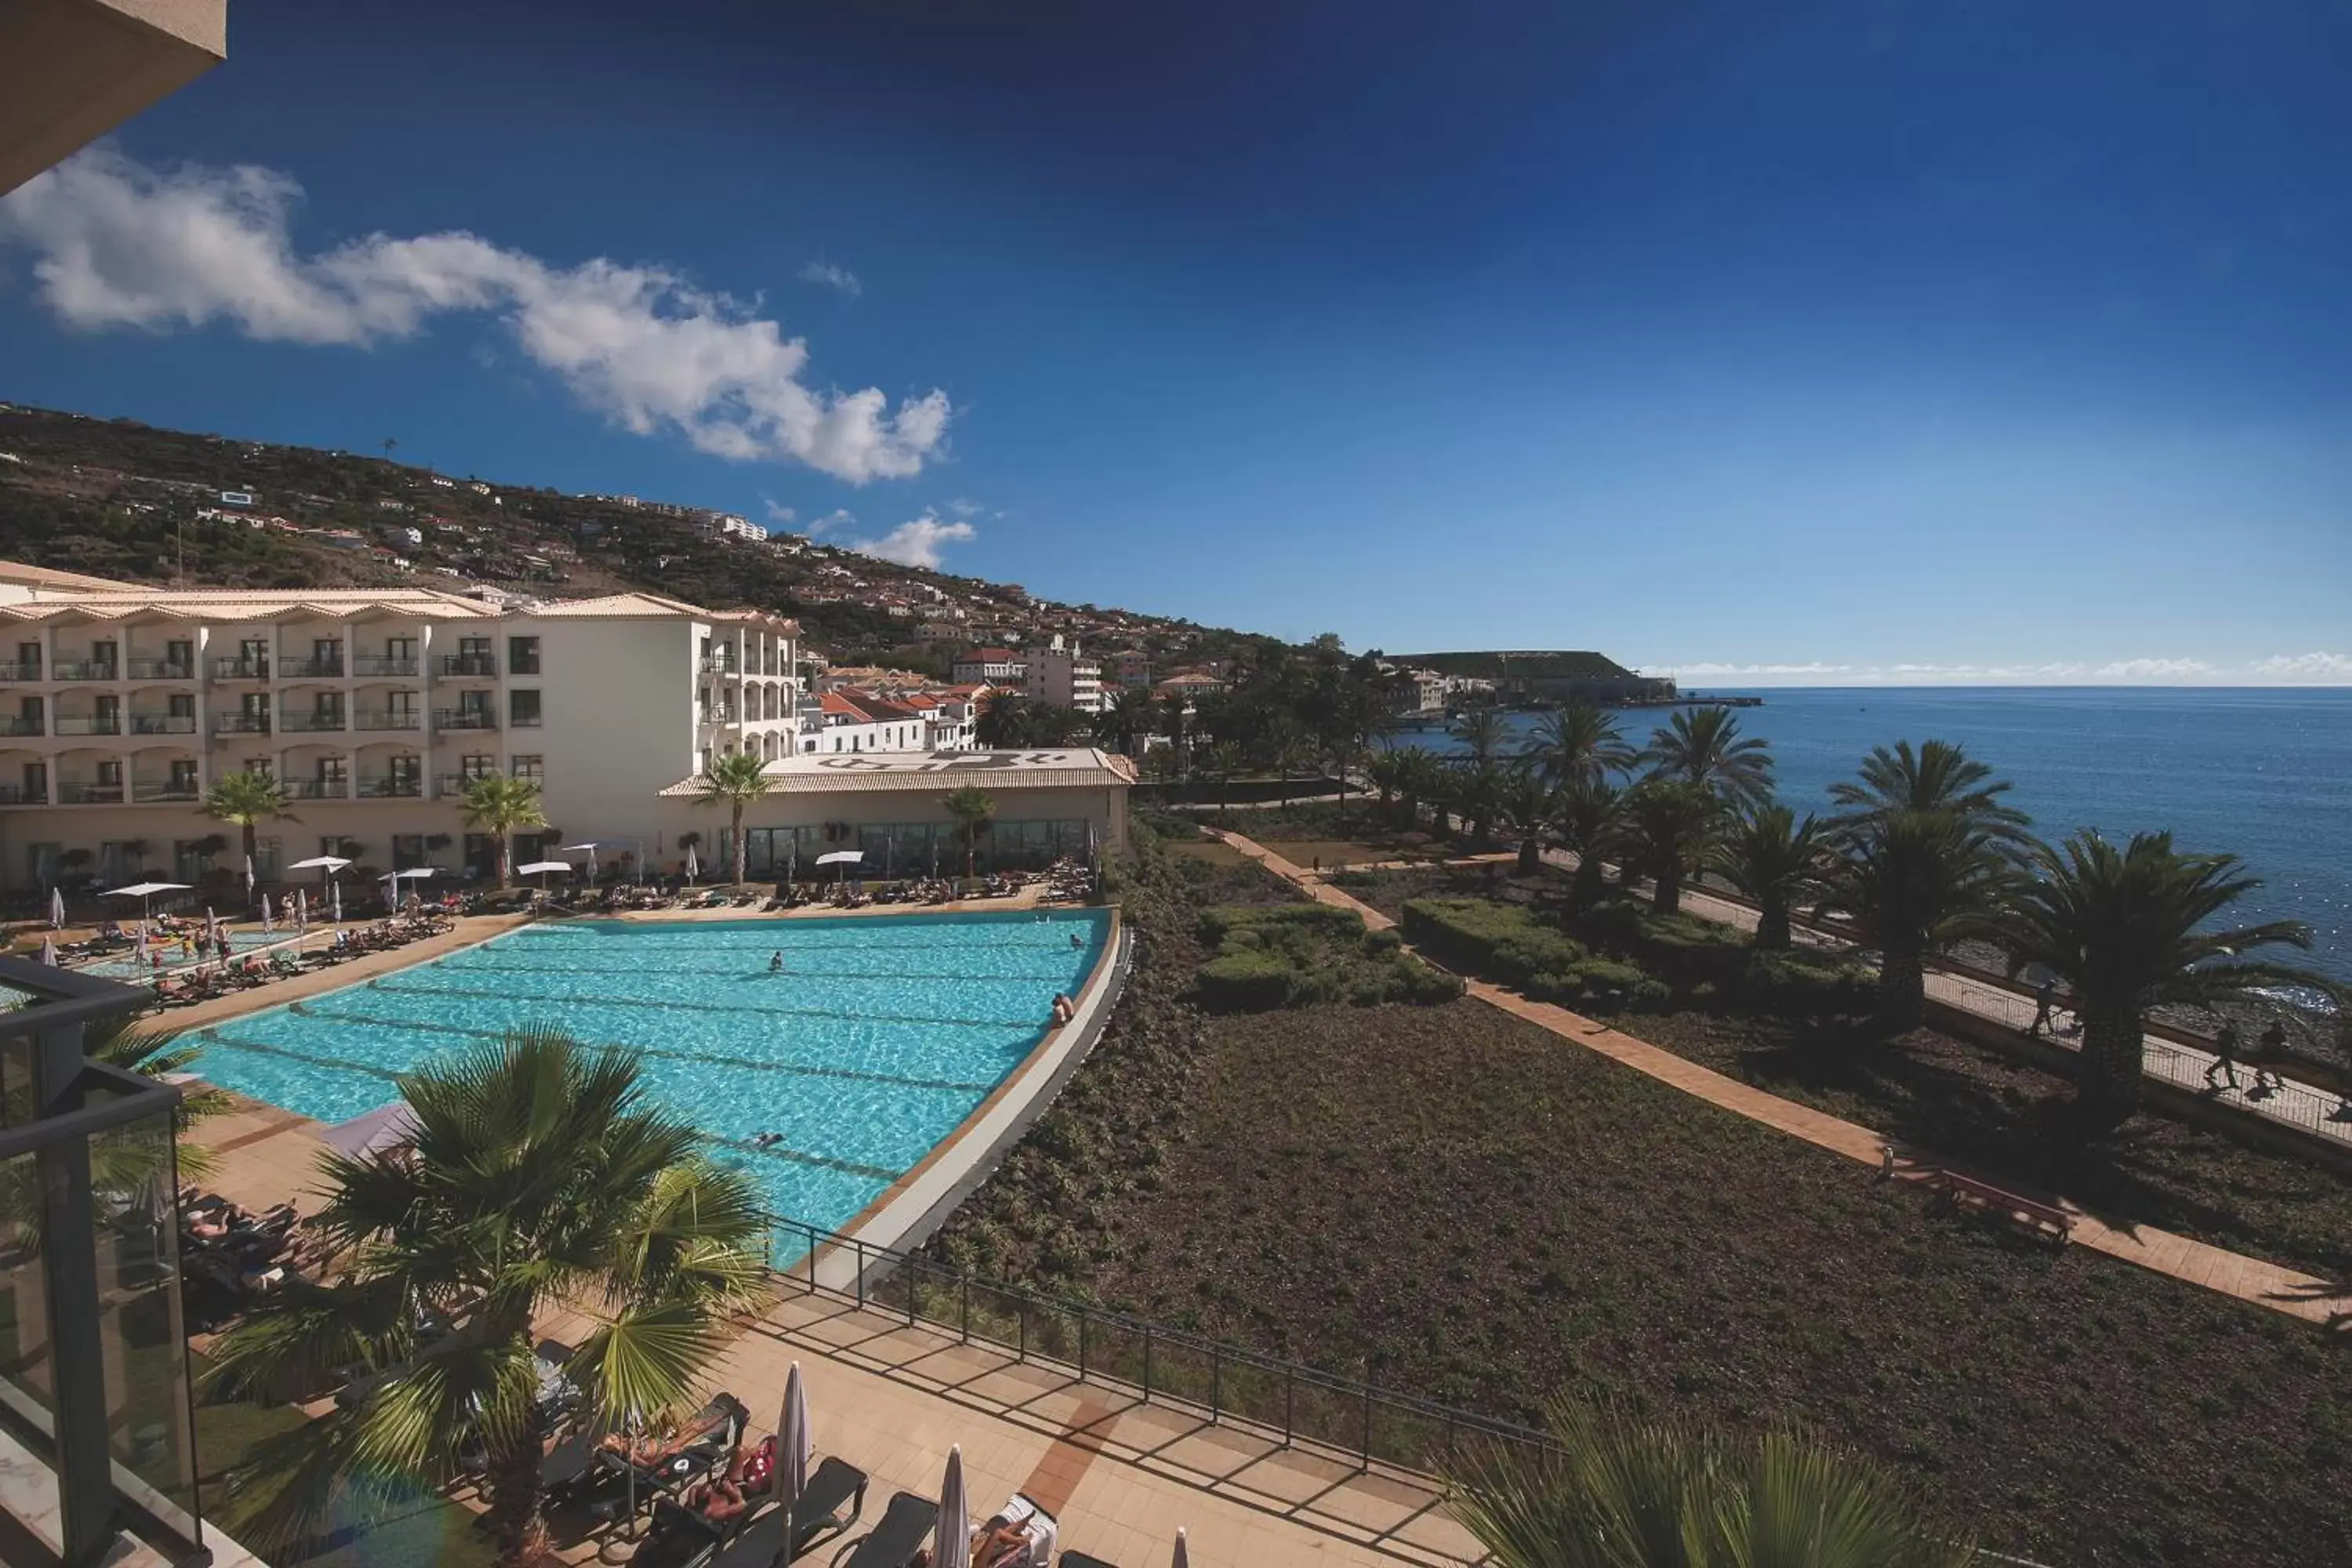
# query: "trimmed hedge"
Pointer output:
{"type": "Point", "coordinates": [1501, 941]}
{"type": "Point", "coordinates": [1294, 956]}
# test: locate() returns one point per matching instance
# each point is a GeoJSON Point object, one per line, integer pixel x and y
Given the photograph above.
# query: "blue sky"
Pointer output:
{"type": "Point", "coordinates": [1827, 344]}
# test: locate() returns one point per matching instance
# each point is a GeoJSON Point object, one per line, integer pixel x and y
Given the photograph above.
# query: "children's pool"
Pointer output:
{"type": "Point", "coordinates": [878, 1039]}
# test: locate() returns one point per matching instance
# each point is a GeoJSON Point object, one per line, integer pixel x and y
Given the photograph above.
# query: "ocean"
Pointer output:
{"type": "Point", "coordinates": [2264, 773]}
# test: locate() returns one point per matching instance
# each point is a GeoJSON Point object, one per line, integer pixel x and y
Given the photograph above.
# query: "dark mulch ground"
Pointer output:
{"type": "Point", "coordinates": [1452, 1203]}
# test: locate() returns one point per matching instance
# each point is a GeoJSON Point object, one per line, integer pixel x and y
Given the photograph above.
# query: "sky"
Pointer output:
{"type": "Point", "coordinates": [1887, 342]}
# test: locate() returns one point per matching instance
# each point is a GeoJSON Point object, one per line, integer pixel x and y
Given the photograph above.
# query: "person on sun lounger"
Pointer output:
{"type": "Point", "coordinates": [661, 1447]}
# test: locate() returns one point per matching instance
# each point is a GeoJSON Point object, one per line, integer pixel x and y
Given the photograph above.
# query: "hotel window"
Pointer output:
{"type": "Point", "coordinates": [180, 655]}
{"type": "Point", "coordinates": [407, 850]}
{"type": "Point", "coordinates": [522, 710]}
{"type": "Point", "coordinates": [102, 654]}
{"type": "Point", "coordinates": [180, 705]}
{"type": "Point", "coordinates": [28, 658]}
{"type": "Point", "coordinates": [109, 774]}
{"type": "Point", "coordinates": [531, 768]}
{"type": "Point", "coordinates": [522, 655]}
{"type": "Point", "coordinates": [184, 775]}
{"type": "Point", "coordinates": [264, 767]}
{"type": "Point", "coordinates": [477, 767]}
{"type": "Point", "coordinates": [334, 778]}
{"type": "Point", "coordinates": [405, 771]}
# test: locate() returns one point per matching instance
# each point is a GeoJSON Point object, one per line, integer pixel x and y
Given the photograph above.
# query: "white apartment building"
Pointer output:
{"type": "Point", "coordinates": [1057, 673]}
{"type": "Point", "coordinates": [121, 705]}
{"type": "Point", "coordinates": [987, 666]}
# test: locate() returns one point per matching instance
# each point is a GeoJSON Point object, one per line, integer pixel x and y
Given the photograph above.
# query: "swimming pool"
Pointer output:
{"type": "Point", "coordinates": [880, 1036]}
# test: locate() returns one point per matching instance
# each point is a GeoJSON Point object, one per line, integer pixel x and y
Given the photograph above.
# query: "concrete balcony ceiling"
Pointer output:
{"type": "Point", "coordinates": [73, 71]}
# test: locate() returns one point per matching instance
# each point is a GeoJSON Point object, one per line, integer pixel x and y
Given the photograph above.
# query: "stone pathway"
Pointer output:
{"type": "Point", "coordinates": [2250, 1279]}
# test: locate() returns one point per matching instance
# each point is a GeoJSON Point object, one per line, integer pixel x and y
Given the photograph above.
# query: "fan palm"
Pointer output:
{"type": "Point", "coordinates": [733, 781]}
{"type": "Point", "coordinates": [1225, 760]}
{"type": "Point", "coordinates": [1577, 743]}
{"type": "Point", "coordinates": [1003, 721]}
{"type": "Point", "coordinates": [1673, 821]}
{"type": "Point", "coordinates": [1420, 773]}
{"type": "Point", "coordinates": [1481, 734]}
{"type": "Point", "coordinates": [538, 1175]}
{"type": "Point", "coordinates": [1776, 860]}
{"type": "Point", "coordinates": [1528, 803]}
{"type": "Point", "coordinates": [2129, 929]}
{"type": "Point", "coordinates": [973, 809]}
{"type": "Point", "coordinates": [1388, 772]}
{"type": "Point", "coordinates": [1939, 776]}
{"type": "Point", "coordinates": [1587, 820]}
{"type": "Point", "coordinates": [1913, 882]}
{"type": "Point", "coordinates": [500, 806]}
{"type": "Point", "coordinates": [1130, 719]}
{"type": "Point", "coordinates": [247, 800]}
{"type": "Point", "coordinates": [1703, 746]}
{"type": "Point", "coordinates": [1618, 1493]}
{"type": "Point", "coordinates": [1286, 751]}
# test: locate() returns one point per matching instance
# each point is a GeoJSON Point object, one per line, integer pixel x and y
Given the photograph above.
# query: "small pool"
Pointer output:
{"type": "Point", "coordinates": [880, 1036]}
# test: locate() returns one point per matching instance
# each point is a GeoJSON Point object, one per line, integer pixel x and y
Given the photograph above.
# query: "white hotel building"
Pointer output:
{"type": "Point", "coordinates": [121, 705]}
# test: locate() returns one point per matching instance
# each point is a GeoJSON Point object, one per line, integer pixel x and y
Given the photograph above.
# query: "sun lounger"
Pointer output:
{"type": "Point", "coordinates": [905, 1525]}
{"type": "Point", "coordinates": [1080, 1559]}
{"type": "Point", "coordinates": [835, 1485]}
{"type": "Point", "coordinates": [612, 1487]}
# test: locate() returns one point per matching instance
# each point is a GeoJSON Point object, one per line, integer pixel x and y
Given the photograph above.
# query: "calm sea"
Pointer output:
{"type": "Point", "coordinates": [2266, 774]}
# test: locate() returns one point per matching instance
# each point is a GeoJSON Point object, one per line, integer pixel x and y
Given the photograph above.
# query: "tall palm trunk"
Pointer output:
{"type": "Point", "coordinates": [512, 1483]}
{"type": "Point", "coordinates": [1588, 886]}
{"type": "Point", "coordinates": [252, 845]}
{"type": "Point", "coordinates": [736, 830]}
{"type": "Point", "coordinates": [2113, 1058]}
{"type": "Point", "coordinates": [1772, 923]}
{"type": "Point", "coordinates": [1666, 888]}
{"type": "Point", "coordinates": [1530, 855]}
{"type": "Point", "coordinates": [1902, 987]}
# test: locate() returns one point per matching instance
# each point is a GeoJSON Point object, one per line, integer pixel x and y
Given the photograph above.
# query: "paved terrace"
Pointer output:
{"type": "Point", "coordinates": [1119, 1473]}
{"type": "Point", "coordinates": [2325, 1302]}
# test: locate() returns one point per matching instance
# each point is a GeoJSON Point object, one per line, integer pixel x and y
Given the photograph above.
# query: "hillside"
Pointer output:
{"type": "Point", "coordinates": [1525, 664]}
{"type": "Point", "coordinates": [118, 498]}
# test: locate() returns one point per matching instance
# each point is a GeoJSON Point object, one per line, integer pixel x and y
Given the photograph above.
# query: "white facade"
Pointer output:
{"type": "Point", "coordinates": [1057, 673]}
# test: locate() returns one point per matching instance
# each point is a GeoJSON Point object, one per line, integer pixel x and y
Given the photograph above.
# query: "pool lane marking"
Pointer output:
{"type": "Point", "coordinates": [774, 1150]}
{"type": "Point", "coordinates": [755, 1064]}
{"type": "Point", "coordinates": [391, 990]}
{"type": "Point", "coordinates": [750, 972]}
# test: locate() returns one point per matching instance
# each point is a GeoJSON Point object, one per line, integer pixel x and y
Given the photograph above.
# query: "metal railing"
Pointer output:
{"type": "Point", "coordinates": [483, 666]}
{"type": "Point", "coordinates": [20, 724]}
{"type": "Point", "coordinates": [371, 664]}
{"type": "Point", "coordinates": [391, 788]}
{"type": "Point", "coordinates": [465, 719]}
{"type": "Point", "coordinates": [163, 789]}
{"type": "Point", "coordinates": [312, 723]}
{"type": "Point", "coordinates": [316, 789]}
{"type": "Point", "coordinates": [162, 669]}
{"type": "Point", "coordinates": [17, 795]}
{"type": "Point", "coordinates": [20, 671]}
{"type": "Point", "coordinates": [1167, 1366]}
{"type": "Point", "coordinates": [380, 718]}
{"type": "Point", "coordinates": [241, 669]}
{"type": "Point", "coordinates": [86, 670]}
{"type": "Point", "coordinates": [162, 724]}
{"type": "Point", "coordinates": [90, 794]}
{"type": "Point", "coordinates": [329, 669]}
{"type": "Point", "coordinates": [86, 724]}
{"type": "Point", "coordinates": [241, 723]}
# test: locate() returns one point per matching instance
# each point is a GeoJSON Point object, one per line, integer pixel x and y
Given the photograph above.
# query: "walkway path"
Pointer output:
{"type": "Point", "coordinates": [2250, 1279]}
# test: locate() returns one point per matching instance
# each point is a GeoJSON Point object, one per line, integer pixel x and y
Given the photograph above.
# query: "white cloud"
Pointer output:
{"type": "Point", "coordinates": [840, 517]}
{"type": "Point", "coordinates": [120, 246]}
{"type": "Point", "coordinates": [833, 277]}
{"type": "Point", "coordinates": [2155, 669]}
{"type": "Point", "coordinates": [779, 513]}
{"type": "Point", "coordinates": [1705, 671]}
{"type": "Point", "coordinates": [962, 507]}
{"type": "Point", "coordinates": [2316, 667]}
{"type": "Point", "coordinates": [916, 543]}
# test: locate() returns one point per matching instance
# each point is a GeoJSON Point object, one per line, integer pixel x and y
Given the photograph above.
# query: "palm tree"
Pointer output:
{"type": "Point", "coordinates": [1285, 748]}
{"type": "Point", "coordinates": [1001, 723]}
{"type": "Point", "coordinates": [1939, 776]}
{"type": "Point", "coordinates": [1130, 719]}
{"type": "Point", "coordinates": [2127, 931]}
{"type": "Point", "coordinates": [538, 1175]}
{"type": "Point", "coordinates": [121, 1044]}
{"type": "Point", "coordinates": [498, 805]}
{"type": "Point", "coordinates": [1225, 760]}
{"type": "Point", "coordinates": [1703, 746]}
{"type": "Point", "coordinates": [1420, 773]}
{"type": "Point", "coordinates": [1480, 732]}
{"type": "Point", "coordinates": [973, 809]}
{"type": "Point", "coordinates": [1587, 820]}
{"type": "Point", "coordinates": [1620, 1493]}
{"type": "Point", "coordinates": [247, 800]}
{"type": "Point", "coordinates": [1577, 743]}
{"type": "Point", "coordinates": [735, 781]}
{"type": "Point", "coordinates": [1914, 882]}
{"type": "Point", "coordinates": [1776, 860]}
{"type": "Point", "coordinates": [1528, 803]}
{"type": "Point", "coordinates": [1674, 822]}
{"type": "Point", "coordinates": [1388, 772]}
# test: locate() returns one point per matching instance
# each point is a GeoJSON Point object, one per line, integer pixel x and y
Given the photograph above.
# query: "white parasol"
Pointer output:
{"type": "Point", "coordinates": [590, 851]}
{"type": "Point", "coordinates": [693, 865]}
{"type": "Point", "coordinates": [387, 1127]}
{"type": "Point", "coordinates": [794, 1448]}
{"type": "Point", "coordinates": [142, 891]}
{"type": "Point", "coordinates": [1181, 1560]}
{"type": "Point", "coordinates": [845, 858]}
{"type": "Point", "coordinates": [951, 1537]}
{"type": "Point", "coordinates": [268, 918]}
{"type": "Point", "coordinates": [248, 876]}
{"type": "Point", "coordinates": [49, 951]}
{"type": "Point", "coordinates": [57, 908]}
{"type": "Point", "coordinates": [338, 896]}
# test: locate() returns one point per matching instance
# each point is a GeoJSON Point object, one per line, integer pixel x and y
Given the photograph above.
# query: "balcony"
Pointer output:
{"type": "Point", "coordinates": [20, 671]}
{"type": "Point", "coordinates": [475, 666]}
{"type": "Point", "coordinates": [716, 664]}
{"type": "Point", "coordinates": [241, 669]}
{"type": "Point", "coordinates": [163, 789]}
{"type": "Point", "coordinates": [312, 723]}
{"type": "Point", "coordinates": [90, 794]}
{"type": "Point", "coordinates": [329, 669]}
{"type": "Point", "coordinates": [370, 664]}
{"type": "Point", "coordinates": [394, 787]}
{"type": "Point", "coordinates": [86, 670]}
{"type": "Point", "coordinates": [465, 719]}
{"type": "Point", "coordinates": [453, 786]}
{"type": "Point", "coordinates": [162, 669]}
{"type": "Point", "coordinates": [316, 789]}
{"type": "Point", "coordinates": [88, 724]}
{"type": "Point", "coordinates": [17, 795]}
{"type": "Point", "coordinates": [162, 724]}
{"type": "Point", "coordinates": [241, 723]}
{"type": "Point", "coordinates": [386, 719]}
{"type": "Point", "coordinates": [14, 724]}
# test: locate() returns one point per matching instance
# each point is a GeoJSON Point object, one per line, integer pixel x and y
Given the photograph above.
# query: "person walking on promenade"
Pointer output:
{"type": "Point", "coordinates": [2044, 995]}
{"type": "Point", "coordinates": [2225, 1057]}
{"type": "Point", "coordinates": [2274, 1043]}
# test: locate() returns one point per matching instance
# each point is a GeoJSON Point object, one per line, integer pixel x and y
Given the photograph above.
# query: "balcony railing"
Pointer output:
{"type": "Point", "coordinates": [316, 789]}
{"type": "Point", "coordinates": [331, 668]}
{"type": "Point", "coordinates": [20, 671]}
{"type": "Point", "coordinates": [17, 795]}
{"type": "Point", "coordinates": [482, 666]}
{"type": "Point", "coordinates": [87, 670]}
{"type": "Point", "coordinates": [241, 723]}
{"type": "Point", "coordinates": [162, 669]}
{"type": "Point", "coordinates": [90, 794]}
{"type": "Point", "coordinates": [465, 719]}
{"type": "Point", "coordinates": [163, 789]}
{"type": "Point", "coordinates": [714, 663]}
{"type": "Point", "coordinates": [240, 670]}
{"type": "Point", "coordinates": [16, 724]}
{"type": "Point", "coordinates": [312, 722]}
{"type": "Point", "coordinates": [391, 788]}
{"type": "Point", "coordinates": [385, 718]}
{"type": "Point", "coordinates": [371, 664]}
{"type": "Point", "coordinates": [162, 724]}
{"type": "Point", "coordinates": [88, 724]}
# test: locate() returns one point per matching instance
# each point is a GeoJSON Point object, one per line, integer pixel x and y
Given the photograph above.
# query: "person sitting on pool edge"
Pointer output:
{"type": "Point", "coordinates": [1063, 1009]}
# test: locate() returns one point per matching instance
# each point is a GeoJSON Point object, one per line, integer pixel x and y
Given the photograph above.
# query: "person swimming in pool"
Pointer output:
{"type": "Point", "coordinates": [767, 1139]}
{"type": "Point", "coordinates": [1077, 942]}
{"type": "Point", "coordinates": [776, 963]}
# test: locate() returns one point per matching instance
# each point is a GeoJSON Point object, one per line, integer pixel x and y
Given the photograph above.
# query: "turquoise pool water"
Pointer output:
{"type": "Point", "coordinates": [877, 1041]}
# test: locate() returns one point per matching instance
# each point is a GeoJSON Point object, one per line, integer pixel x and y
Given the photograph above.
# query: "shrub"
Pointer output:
{"type": "Point", "coordinates": [1320, 920]}
{"type": "Point", "coordinates": [1790, 986]}
{"type": "Point", "coordinates": [1297, 955]}
{"type": "Point", "coordinates": [1386, 939]}
{"type": "Point", "coordinates": [1244, 981]}
{"type": "Point", "coordinates": [1502, 942]}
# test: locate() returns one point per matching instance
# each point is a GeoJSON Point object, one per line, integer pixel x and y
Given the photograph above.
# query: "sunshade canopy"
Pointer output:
{"type": "Point", "coordinates": [143, 890]}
